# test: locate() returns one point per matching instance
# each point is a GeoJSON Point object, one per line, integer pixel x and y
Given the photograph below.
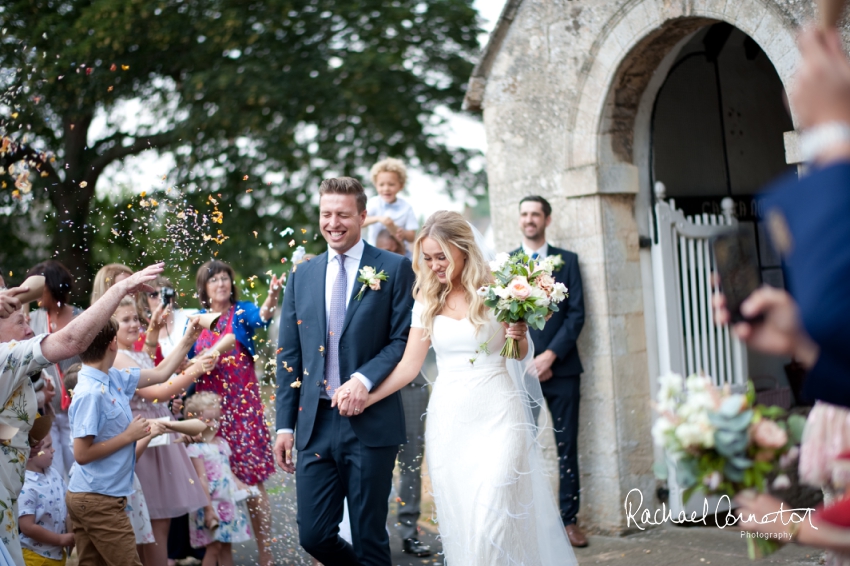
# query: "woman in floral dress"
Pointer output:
{"type": "Point", "coordinates": [234, 379]}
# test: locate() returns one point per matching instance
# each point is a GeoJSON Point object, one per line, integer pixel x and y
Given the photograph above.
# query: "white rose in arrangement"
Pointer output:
{"type": "Point", "coordinates": [559, 292]}
{"type": "Point", "coordinates": [670, 385]}
{"type": "Point", "coordinates": [502, 292]}
{"type": "Point", "coordinates": [500, 261]}
{"type": "Point", "coordinates": [660, 429]}
{"type": "Point", "coordinates": [540, 296]}
{"type": "Point", "coordinates": [367, 272]}
{"type": "Point", "coordinates": [696, 433]}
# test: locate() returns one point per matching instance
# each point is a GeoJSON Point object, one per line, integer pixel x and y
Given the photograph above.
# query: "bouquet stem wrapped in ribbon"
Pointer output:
{"type": "Point", "coordinates": [523, 290]}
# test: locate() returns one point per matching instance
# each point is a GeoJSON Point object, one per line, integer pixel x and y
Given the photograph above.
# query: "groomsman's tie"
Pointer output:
{"type": "Point", "coordinates": [335, 321]}
{"type": "Point", "coordinates": [535, 255]}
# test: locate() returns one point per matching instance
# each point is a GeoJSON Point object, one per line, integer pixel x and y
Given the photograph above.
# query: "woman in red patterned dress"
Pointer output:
{"type": "Point", "coordinates": [234, 379]}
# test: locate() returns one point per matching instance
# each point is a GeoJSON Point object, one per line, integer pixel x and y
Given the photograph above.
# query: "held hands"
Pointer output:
{"type": "Point", "coordinates": [351, 398]}
{"type": "Point", "coordinates": [157, 428]}
{"type": "Point", "coordinates": [283, 451]}
{"type": "Point", "coordinates": [138, 429]}
{"type": "Point", "coordinates": [210, 518]}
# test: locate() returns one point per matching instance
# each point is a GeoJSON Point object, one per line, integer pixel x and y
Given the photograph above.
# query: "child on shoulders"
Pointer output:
{"type": "Point", "coordinates": [386, 210]}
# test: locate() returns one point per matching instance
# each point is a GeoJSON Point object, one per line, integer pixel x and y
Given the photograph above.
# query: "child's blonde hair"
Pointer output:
{"type": "Point", "coordinates": [200, 401]}
{"type": "Point", "coordinates": [389, 165]}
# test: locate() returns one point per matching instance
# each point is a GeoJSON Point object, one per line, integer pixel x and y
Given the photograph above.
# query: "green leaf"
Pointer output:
{"type": "Point", "coordinates": [796, 426]}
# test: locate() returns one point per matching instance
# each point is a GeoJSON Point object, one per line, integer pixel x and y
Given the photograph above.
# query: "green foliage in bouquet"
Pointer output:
{"type": "Point", "coordinates": [722, 443]}
{"type": "Point", "coordinates": [523, 290]}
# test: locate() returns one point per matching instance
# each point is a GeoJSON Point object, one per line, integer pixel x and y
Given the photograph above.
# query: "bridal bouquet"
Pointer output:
{"type": "Point", "coordinates": [724, 443]}
{"type": "Point", "coordinates": [524, 289]}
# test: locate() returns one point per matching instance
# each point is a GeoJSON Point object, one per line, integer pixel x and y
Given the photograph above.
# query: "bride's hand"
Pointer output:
{"type": "Point", "coordinates": [516, 330]}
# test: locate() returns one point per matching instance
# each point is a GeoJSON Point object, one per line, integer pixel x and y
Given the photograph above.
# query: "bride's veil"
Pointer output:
{"type": "Point", "coordinates": [553, 544]}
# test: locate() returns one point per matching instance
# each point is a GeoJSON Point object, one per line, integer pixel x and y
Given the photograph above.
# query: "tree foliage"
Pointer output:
{"type": "Point", "coordinates": [255, 101]}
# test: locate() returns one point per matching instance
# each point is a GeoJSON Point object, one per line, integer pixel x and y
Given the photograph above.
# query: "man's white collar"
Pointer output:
{"type": "Point", "coordinates": [356, 251]}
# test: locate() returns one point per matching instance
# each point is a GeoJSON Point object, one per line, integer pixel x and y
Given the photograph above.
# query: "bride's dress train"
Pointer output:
{"type": "Point", "coordinates": [494, 504]}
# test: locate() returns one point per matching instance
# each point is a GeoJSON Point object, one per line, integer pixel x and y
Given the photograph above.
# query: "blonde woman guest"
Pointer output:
{"type": "Point", "coordinates": [234, 379]}
{"type": "Point", "coordinates": [489, 504]}
{"type": "Point", "coordinates": [386, 210]}
{"type": "Point", "coordinates": [106, 277]}
{"type": "Point", "coordinates": [166, 474]}
{"type": "Point", "coordinates": [54, 314]}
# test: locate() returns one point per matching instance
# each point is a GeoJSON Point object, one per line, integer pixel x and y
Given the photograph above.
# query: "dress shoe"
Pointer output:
{"type": "Point", "coordinates": [416, 548]}
{"type": "Point", "coordinates": [576, 536]}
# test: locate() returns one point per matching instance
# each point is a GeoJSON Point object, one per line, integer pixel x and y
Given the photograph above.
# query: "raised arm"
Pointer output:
{"type": "Point", "coordinates": [169, 365]}
{"type": "Point", "coordinates": [179, 383]}
{"type": "Point", "coordinates": [76, 337]}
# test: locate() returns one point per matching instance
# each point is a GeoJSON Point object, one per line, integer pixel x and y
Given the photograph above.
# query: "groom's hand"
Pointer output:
{"type": "Point", "coordinates": [353, 403]}
{"type": "Point", "coordinates": [283, 451]}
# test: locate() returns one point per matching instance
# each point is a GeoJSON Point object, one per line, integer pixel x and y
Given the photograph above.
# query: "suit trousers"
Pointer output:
{"type": "Point", "coordinates": [333, 466]}
{"type": "Point", "coordinates": [562, 396]}
{"type": "Point", "coordinates": [415, 399]}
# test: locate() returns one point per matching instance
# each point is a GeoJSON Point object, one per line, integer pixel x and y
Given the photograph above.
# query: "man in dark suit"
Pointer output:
{"type": "Point", "coordinates": [556, 356]}
{"type": "Point", "coordinates": [333, 330]}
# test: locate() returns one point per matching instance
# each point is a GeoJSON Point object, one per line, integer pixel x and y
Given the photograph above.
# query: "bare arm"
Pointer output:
{"type": "Point", "coordinates": [169, 365]}
{"type": "Point", "coordinates": [178, 384]}
{"type": "Point", "coordinates": [86, 451]}
{"type": "Point", "coordinates": [407, 235]}
{"type": "Point", "coordinates": [157, 428]}
{"type": "Point", "coordinates": [371, 220]}
{"type": "Point", "coordinates": [79, 333]}
{"type": "Point", "coordinates": [42, 535]}
{"type": "Point", "coordinates": [209, 510]}
{"type": "Point", "coordinates": [405, 372]}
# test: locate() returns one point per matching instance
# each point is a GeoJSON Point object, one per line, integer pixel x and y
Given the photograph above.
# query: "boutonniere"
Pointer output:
{"type": "Point", "coordinates": [370, 279]}
{"type": "Point", "coordinates": [554, 262]}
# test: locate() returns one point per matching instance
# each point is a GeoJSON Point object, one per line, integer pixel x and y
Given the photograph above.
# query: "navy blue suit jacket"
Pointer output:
{"type": "Point", "coordinates": [816, 209]}
{"type": "Point", "coordinates": [561, 331]}
{"type": "Point", "coordinates": [373, 340]}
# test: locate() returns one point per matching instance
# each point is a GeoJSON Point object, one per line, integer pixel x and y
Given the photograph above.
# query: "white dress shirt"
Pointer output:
{"type": "Point", "coordinates": [352, 264]}
{"type": "Point", "coordinates": [542, 252]}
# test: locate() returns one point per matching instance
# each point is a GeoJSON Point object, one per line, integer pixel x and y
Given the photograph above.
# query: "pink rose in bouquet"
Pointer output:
{"type": "Point", "coordinates": [520, 289]}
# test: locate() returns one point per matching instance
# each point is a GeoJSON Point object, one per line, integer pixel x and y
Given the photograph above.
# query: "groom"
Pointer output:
{"type": "Point", "coordinates": [331, 334]}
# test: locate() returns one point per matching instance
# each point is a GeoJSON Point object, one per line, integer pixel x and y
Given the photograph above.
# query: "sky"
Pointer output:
{"type": "Point", "coordinates": [425, 193]}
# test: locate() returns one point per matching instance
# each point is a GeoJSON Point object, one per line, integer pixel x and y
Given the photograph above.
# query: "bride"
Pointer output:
{"type": "Point", "coordinates": [494, 504]}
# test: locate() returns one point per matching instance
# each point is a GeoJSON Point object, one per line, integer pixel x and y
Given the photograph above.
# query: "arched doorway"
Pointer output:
{"type": "Point", "coordinates": [717, 130]}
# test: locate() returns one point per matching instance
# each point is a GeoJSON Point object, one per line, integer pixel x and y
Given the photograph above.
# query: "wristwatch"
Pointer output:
{"type": "Point", "coordinates": [817, 139]}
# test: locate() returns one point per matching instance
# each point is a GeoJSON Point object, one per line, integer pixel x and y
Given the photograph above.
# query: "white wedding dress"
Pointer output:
{"type": "Point", "coordinates": [494, 504]}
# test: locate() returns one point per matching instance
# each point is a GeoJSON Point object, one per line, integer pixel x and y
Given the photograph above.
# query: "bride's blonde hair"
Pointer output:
{"type": "Point", "coordinates": [450, 229]}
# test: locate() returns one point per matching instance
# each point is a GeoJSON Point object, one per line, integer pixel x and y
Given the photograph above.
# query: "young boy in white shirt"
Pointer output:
{"type": "Point", "coordinates": [42, 513]}
{"type": "Point", "coordinates": [386, 210]}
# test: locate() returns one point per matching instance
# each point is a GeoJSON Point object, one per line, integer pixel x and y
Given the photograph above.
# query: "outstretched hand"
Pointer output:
{"type": "Point", "coordinates": [139, 280]}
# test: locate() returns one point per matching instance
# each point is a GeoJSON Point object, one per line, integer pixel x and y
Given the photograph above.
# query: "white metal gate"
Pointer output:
{"type": "Point", "coordinates": [688, 340]}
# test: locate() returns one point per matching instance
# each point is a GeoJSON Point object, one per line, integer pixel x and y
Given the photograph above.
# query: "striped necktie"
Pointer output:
{"type": "Point", "coordinates": [335, 321]}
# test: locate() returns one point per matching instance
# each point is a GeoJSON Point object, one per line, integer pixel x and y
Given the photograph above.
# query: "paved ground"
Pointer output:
{"type": "Point", "coordinates": [664, 546]}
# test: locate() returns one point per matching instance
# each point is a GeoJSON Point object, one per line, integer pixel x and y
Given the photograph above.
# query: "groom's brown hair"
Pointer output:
{"type": "Point", "coordinates": [344, 186]}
